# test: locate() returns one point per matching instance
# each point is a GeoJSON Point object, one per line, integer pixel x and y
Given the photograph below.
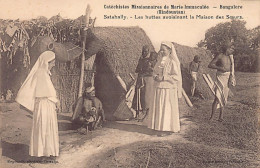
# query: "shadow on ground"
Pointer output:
{"type": "Point", "coordinates": [16, 151]}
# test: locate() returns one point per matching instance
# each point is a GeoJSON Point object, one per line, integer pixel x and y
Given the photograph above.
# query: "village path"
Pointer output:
{"type": "Point", "coordinates": [77, 150]}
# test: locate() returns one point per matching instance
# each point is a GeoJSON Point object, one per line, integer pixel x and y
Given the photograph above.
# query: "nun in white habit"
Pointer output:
{"type": "Point", "coordinates": [39, 96]}
{"type": "Point", "coordinates": [164, 114]}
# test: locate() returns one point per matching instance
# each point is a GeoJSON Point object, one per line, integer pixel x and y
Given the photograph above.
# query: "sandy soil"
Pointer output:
{"type": "Point", "coordinates": [131, 144]}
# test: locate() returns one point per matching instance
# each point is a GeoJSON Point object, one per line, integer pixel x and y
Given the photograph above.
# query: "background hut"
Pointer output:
{"type": "Point", "coordinates": [117, 50]}
{"type": "Point", "coordinates": [186, 55]}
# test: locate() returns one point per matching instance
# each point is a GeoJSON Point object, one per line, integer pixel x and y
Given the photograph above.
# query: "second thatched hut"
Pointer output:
{"type": "Point", "coordinates": [186, 55]}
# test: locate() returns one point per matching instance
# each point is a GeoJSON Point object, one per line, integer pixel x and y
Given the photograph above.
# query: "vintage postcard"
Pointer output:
{"type": "Point", "coordinates": [129, 83]}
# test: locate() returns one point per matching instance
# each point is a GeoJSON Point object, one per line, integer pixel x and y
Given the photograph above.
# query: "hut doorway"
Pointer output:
{"type": "Point", "coordinates": [108, 89]}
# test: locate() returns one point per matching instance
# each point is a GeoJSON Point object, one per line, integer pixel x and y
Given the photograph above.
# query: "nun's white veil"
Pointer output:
{"type": "Point", "coordinates": [37, 83]}
{"type": "Point", "coordinates": [173, 55]}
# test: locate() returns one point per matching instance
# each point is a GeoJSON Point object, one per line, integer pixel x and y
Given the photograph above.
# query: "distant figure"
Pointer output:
{"type": "Point", "coordinates": [164, 115]}
{"type": "Point", "coordinates": [89, 113]}
{"type": "Point", "coordinates": [38, 94]}
{"type": "Point", "coordinates": [194, 69]}
{"type": "Point", "coordinates": [224, 64]}
{"type": "Point", "coordinates": [144, 82]}
{"type": "Point", "coordinates": [9, 95]}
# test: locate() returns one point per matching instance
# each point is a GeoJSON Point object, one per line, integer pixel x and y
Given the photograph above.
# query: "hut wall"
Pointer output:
{"type": "Point", "coordinates": [65, 79]}
{"type": "Point", "coordinates": [66, 82]}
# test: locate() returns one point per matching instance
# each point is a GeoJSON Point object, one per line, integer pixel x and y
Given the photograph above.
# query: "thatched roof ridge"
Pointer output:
{"type": "Point", "coordinates": [187, 53]}
{"type": "Point", "coordinates": [121, 47]}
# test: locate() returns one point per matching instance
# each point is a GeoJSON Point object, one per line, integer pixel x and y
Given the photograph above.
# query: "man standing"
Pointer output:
{"type": "Point", "coordinates": [224, 64]}
{"type": "Point", "coordinates": [194, 69]}
{"type": "Point", "coordinates": [144, 82]}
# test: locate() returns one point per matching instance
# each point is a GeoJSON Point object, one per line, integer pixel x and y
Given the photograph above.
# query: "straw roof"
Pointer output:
{"type": "Point", "coordinates": [120, 46]}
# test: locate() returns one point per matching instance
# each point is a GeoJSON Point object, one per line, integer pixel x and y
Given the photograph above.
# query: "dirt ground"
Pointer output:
{"type": "Point", "coordinates": [231, 143]}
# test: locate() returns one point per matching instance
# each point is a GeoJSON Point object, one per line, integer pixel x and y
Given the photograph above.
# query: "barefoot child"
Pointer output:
{"type": "Point", "coordinates": [193, 70]}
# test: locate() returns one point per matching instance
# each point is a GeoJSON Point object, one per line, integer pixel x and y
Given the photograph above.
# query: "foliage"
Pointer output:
{"type": "Point", "coordinates": [234, 33]}
{"type": "Point", "coordinates": [201, 44]}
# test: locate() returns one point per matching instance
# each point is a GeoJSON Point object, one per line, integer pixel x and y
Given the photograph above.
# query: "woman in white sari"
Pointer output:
{"type": "Point", "coordinates": [38, 95]}
{"type": "Point", "coordinates": [164, 114]}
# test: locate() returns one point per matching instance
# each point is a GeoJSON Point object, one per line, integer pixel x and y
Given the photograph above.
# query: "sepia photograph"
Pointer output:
{"type": "Point", "coordinates": [130, 84]}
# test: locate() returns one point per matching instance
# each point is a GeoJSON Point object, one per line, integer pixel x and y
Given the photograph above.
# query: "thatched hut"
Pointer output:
{"type": "Point", "coordinates": [186, 55]}
{"type": "Point", "coordinates": [117, 50]}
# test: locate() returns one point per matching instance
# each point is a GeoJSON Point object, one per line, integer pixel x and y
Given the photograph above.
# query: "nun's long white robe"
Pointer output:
{"type": "Point", "coordinates": [38, 95]}
{"type": "Point", "coordinates": [164, 114]}
{"type": "Point", "coordinates": [44, 136]}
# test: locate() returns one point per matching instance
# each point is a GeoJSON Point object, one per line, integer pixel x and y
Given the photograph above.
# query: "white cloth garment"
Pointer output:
{"type": "Point", "coordinates": [164, 115]}
{"type": "Point", "coordinates": [165, 111]}
{"type": "Point", "coordinates": [38, 95]}
{"type": "Point", "coordinates": [194, 76]}
{"type": "Point", "coordinates": [44, 137]}
{"type": "Point", "coordinates": [221, 88]}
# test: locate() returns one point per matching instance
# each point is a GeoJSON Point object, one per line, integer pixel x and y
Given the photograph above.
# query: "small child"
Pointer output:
{"type": "Point", "coordinates": [194, 69]}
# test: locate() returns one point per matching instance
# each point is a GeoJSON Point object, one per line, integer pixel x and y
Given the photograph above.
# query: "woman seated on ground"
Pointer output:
{"type": "Point", "coordinates": [89, 113]}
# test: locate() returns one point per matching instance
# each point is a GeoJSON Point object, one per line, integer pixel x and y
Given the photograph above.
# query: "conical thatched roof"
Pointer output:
{"type": "Point", "coordinates": [120, 46]}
